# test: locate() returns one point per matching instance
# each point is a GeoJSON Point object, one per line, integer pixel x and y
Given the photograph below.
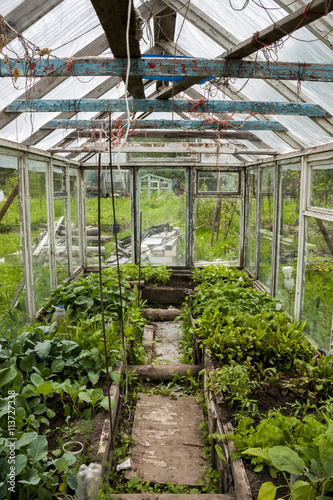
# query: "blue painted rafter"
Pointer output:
{"type": "Point", "coordinates": [158, 105]}
{"type": "Point", "coordinates": [177, 67]}
{"type": "Point", "coordinates": [167, 124]}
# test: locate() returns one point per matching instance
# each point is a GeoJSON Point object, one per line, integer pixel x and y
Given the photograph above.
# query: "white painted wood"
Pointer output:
{"type": "Point", "coordinates": [301, 260]}
{"type": "Point", "coordinates": [51, 225]}
{"type": "Point", "coordinates": [68, 224]}
{"type": "Point", "coordinates": [166, 147]}
{"type": "Point", "coordinates": [23, 171]}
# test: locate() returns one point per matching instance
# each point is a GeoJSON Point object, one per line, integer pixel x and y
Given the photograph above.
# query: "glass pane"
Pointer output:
{"type": "Point", "coordinates": [39, 232]}
{"type": "Point", "coordinates": [74, 217]}
{"type": "Point", "coordinates": [121, 186]}
{"type": "Point", "coordinates": [11, 269]}
{"type": "Point", "coordinates": [318, 283]}
{"type": "Point", "coordinates": [218, 182]}
{"type": "Point", "coordinates": [252, 183]}
{"type": "Point", "coordinates": [217, 230]}
{"type": "Point", "coordinates": [322, 186]}
{"type": "Point", "coordinates": [266, 225]}
{"type": "Point", "coordinates": [60, 239]}
{"type": "Point", "coordinates": [58, 180]}
{"type": "Point", "coordinates": [290, 180]}
{"type": "Point", "coordinates": [162, 203]}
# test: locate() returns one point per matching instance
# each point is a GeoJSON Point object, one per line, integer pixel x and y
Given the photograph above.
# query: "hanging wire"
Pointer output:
{"type": "Point", "coordinates": [121, 318]}
{"type": "Point", "coordinates": [102, 301]}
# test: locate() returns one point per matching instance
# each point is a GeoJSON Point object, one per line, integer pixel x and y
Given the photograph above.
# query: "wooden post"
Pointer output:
{"type": "Point", "coordinates": [8, 202]}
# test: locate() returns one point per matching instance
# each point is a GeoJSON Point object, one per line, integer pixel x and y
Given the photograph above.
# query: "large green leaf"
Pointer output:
{"type": "Point", "coordinates": [301, 490]}
{"type": "Point", "coordinates": [27, 363]}
{"type": "Point", "coordinates": [37, 448]}
{"type": "Point", "coordinates": [7, 375]}
{"type": "Point", "coordinates": [44, 494]}
{"type": "Point", "coordinates": [63, 463]}
{"type": "Point", "coordinates": [105, 403]}
{"type": "Point", "coordinates": [328, 467]}
{"type": "Point", "coordinates": [85, 397]}
{"type": "Point", "coordinates": [20, 463]}
{"type": "Point", "coordinates": [267, 491]}
{"type": "Point", "coordinates": [115, 376]}
{"type": "Point", "coordinates": [45, 388]}
{"type": "Point", "coordinates": [257, 452]}
{"type": "Point", "coordinates": [36, 379]}
{"type": "Point", "coordinates": [93, 377]}
{"type": "Point", "coordinates": [25, 439]}
{"type": "Point", "coordinates": [325, 450]}
{"type": "Point", "coordinates": [43, 348]}
{"type": "Point", "coordinates": [57, 365]}
{"type": "Point", "coordinates": [285, 459]}
{"type": "Point", "coordinates": [31, 477]}
{"type": "Point", "coordinates": [329, 433]}
{"type": "Point", "coordinates": [83, 300]}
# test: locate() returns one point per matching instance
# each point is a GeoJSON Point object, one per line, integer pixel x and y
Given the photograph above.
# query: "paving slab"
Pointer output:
{"type": "Point", "coordinates": [167, 336]}
{"type": "Point", "coordinates": [168, 441]}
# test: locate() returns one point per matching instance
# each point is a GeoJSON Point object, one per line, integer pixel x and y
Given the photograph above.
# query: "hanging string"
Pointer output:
{"type": "Point", "coordinates": [121, 318]}
{"type": "Point", "coordinates": [102, 301]}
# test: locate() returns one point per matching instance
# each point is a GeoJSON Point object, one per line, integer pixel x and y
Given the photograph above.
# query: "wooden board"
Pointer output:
{"type": "Point", "coordinates": [161, 427]}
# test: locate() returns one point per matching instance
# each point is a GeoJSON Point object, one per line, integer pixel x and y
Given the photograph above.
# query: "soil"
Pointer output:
{"type": "Point", "coordinates": [87, 432]}
{"type": "Point", "coordinates": [178, 282]}
{"type": "Point", "coordinates": [269, 399]}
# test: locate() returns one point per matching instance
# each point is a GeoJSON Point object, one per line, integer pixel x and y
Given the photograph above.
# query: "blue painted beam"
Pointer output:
{"type": "Point", "coordinates": [158, 105]}
{"type": "Point", "coordinates": [167, 124]}
{"type": "Point", "coordinates": [201, 68]}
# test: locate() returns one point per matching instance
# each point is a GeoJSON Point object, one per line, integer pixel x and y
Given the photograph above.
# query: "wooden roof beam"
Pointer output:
{"type": "Point", "coordinates": [25, 15]}
{"type": "Point", "coordinates": [166, 66]}
{"type": "Point", "coordinates": [234, 93]}
{"type": "Point", "coordinates": [321, 28]}
{"type": "Point", "coordinates": [276, 31]}
{"type": "Point", "coordinates": [167, 124]}
{"type": "Point", "coordinates": [157, 105]}
{"type": "Point", "coordinates": [94, 48]}
{"type": "Point", "coordinates": [113, 16]}
{"type": "Point", "coordinates": [166, 147]}
{"type": "Point", "coordinates": [170, 134]}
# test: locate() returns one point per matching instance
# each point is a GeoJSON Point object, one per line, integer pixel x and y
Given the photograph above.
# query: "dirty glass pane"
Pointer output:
{"type": "Point", "coordinates": [60, 223]}
{"type": "Point", "coordinates": [317, 307]}
{"type": "Point", "coordinates": [251, 200]}
{"type": "Point", "coordinates": [288, 229]}
{"type": "Point", "coordinates": [322, 186]}
{"type": "Point", "coordinates": [217, 231]}
{"type": "Point", "coordinates": [39, 231]}
{"type": "Point", "coordinates": [121, 186]}
{"type": "Point", "coordinates": [266, 225]}
{"type": "Point", "coordinates": [218, 182]}
{"type": "Point", "coordinates": [162, 203]}
{"type": "Point", "coordinates": [11, 269]}
{"type": "Point", "coordinates": [74, 217]}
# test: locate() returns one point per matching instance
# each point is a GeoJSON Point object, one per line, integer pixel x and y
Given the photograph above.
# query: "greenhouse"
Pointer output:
{"type": "Point", "coordinates": [166, 249]}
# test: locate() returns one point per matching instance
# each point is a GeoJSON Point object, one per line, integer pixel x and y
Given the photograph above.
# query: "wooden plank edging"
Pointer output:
{"type": "Point", "coordinates": [105, 439]}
